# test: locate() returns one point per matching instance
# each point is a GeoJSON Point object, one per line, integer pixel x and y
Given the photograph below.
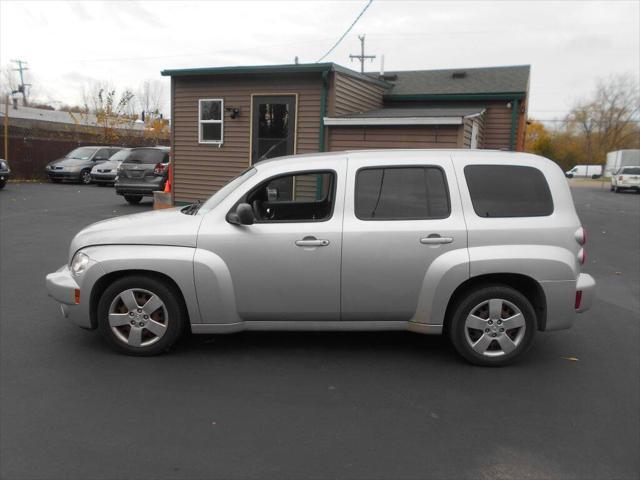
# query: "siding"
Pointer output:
{"type": "Point", "coordinates": [352, 138]}
{"type": "Point", "coordinates": [351, 95]}
{"type": "Point", "coordinates": [201, 170]}
{"type": "Point", "coordinates": [496, 130]}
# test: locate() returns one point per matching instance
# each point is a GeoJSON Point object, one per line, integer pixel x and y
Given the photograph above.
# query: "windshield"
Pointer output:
{"type": "Point", "coordinates": [82, 153]}
{"type": "Point", "coordinates": [631, 171]}
{"type": "Point", "coordinates": [120, 155]}
{"type": "Point", "coordinates": [224, 192]}
{"type": "Point", "coordinates": [147, 155]}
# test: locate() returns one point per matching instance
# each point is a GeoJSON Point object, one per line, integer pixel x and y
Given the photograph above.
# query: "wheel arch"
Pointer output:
{"type": "Point", "coordinates": [103, 283]}
{"type": "Point", "coordinates": [525, 284]}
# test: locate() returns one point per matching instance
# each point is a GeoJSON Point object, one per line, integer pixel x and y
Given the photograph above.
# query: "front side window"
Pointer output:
{"type": "Point", "coordinates": [82, 153]}
{"type": "Point", "coordinates": [303, 197]}
{"type": "Point", "coordinates": [508, 191]}
{"type": "Point", "coordinates": [210, 120]}
{"type": "Point", "coordinates": [401, 193]}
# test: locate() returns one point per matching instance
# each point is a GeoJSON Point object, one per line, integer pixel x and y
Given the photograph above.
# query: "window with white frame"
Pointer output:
{"type": "Point", "coordinates": [210, 120]}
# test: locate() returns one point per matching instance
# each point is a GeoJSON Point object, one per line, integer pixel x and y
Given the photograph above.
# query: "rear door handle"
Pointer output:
{"type": "Point", "coordinates": [312, 242]}
{"type": "Point", "coordinates": [435, 239]}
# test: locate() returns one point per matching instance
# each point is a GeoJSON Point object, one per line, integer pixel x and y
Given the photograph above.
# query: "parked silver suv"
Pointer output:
{"type": "Point", "coordinates": [483, 246]}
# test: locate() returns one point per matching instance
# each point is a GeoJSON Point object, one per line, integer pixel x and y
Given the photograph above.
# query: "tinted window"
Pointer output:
{"type": "Point", "coordinates": [508, 191]}
{"type": "Point", "coordinates": [401, 193]}
{"type": "Point", "coordinates": [147, 155]}
{"type": "Point", "coordinates": [631, 171]}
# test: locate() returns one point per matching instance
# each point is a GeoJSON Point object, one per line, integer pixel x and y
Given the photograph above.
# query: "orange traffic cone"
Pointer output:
{"type": "Point", "coordinates": [169, 183]}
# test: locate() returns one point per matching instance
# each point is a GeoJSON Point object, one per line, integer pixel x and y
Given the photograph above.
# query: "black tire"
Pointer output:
{"type": "Point", "coordinates": [611, 189]}
{"type": "Point", "coordinates": [100, 184]}
{"type": "Point", "coordinates": [133, 199]}
{"type": "Point", "coordinates": [174, 323]}
{"type": "Point", "coordinates": [85, 177]}
{"type": "Point", "coordinates": [2, 184]}
{"type": "Point", "coordinates": [616, 190]}
{"type": "Point", "coordinates": [492, 358]}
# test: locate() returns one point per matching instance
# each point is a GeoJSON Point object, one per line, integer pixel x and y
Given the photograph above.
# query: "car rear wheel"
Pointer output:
{"type": "Point", "coordinates": [133, 199]}
{"type": "Point", "coordinates": [2, 184]}
{"type": "Point", "coordinates": [140, 315]}
{"type": "Point", "coordinates": [493, 326]}
{"type": "Point", "coordinates": [85, 177]}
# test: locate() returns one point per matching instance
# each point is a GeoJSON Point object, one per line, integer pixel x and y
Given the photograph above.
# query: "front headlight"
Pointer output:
{"type": "Point", "coordinates": [79, 263]}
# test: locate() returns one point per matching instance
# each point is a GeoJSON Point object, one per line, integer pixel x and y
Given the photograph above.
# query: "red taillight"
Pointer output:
{"type": "Point", "coordinates": [159, 168]}
{"type": "Point", "coordinates": [581, 236]}
{"type": "Point", "coordinates": [582, 256]}
{"type": "Point", "coordinates": [77, 296]}
{"type": "Point", "coordinates": [578, 299]}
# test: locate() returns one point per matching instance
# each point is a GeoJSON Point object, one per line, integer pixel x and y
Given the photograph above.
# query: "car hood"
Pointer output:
{"type": "Point", "coordinates": [70, 162]}
{"type": "Point", "coordinates": [158, 227]}
{"type": "Point", "coordinates": [108, 164]}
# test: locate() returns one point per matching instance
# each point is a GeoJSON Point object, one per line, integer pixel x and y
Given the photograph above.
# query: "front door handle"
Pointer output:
{"type": "Point", "coordinates": [312, 242]}
{"type": "Point", "coordinates": [435, 239]}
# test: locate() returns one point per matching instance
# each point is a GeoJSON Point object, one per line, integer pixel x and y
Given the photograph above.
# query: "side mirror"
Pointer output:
{"type": "Point", "coordinates": [242, 216]}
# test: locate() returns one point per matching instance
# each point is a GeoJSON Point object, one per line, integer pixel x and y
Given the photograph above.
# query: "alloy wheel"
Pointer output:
{"type": "Point", "coordinates": [138, 317]}
{"type": "Point", "coordinates": [495, 327]}
{"type": "Point", "coordinates": [86, 177]}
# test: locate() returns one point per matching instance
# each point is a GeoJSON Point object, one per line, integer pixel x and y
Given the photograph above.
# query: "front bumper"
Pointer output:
{"type": "Point", "coordinates": [587, 285]}
{"type": "Point", "coordinates": [4, 175]}
{"type": "Point", "coordinates": [103, 177]}
{"type": "Point", "coordinates": [62, 175]}
{"type": "Point", "coordinates": [62, 287]}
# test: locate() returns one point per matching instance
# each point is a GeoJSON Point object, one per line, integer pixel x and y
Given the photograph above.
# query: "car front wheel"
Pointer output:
{"type": "Point", "coordinates": [140, 315]}
{"type": "Point", "coordinates": [493, 326]}
{"type": "Point", "coordinates": [85, 177]}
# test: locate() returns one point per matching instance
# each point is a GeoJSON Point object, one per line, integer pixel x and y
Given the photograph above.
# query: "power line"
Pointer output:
{"type": "Point", "coordinates": [346, 32]}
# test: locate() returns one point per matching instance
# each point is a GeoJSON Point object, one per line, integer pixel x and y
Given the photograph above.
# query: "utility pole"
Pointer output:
{"type": "Point", "coordinates": [22, 88]}
{"type": "Point", "coordinates": [362, 57]}
{"type": "Point", "coordinates": [6, 127]}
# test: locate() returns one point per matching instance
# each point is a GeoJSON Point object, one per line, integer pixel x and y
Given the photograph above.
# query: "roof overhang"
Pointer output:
{"type": "Point", "coordinates": [455, 96]}
{"type": "Point", "coordinates": [318, 68]}
{"type": "Point", "coordinates": [348, 122]}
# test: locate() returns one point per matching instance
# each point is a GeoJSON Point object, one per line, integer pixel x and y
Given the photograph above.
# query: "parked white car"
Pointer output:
{"type": "Point", "coordinates": [627, 178]}
{"type": "Point", "coordinates": [588, 171]}
{"type": "Point", "coordinates": [484, 246]}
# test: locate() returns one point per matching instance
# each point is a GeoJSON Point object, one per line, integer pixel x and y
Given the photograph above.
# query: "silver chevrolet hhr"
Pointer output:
{"type": "Point", "coordinates": [483, 246]}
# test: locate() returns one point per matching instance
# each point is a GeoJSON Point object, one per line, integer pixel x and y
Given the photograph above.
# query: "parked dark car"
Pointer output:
{"type": "Point", "coordinates": [76, 165]}
{"type": "Point", "coordinates": [5, 172]}
{"type": "Point", "coordinates": [105, 173]}
{"type": "Point", "coordinates": [143, 172]}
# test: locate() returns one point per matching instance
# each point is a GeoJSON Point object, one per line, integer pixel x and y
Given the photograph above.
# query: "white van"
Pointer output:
{"type": "Point", "coordinates": [589, 171]}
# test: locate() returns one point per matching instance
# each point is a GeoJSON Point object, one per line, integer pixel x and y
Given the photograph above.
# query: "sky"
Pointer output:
{"type": "Point", "coordinates": [569, 44]}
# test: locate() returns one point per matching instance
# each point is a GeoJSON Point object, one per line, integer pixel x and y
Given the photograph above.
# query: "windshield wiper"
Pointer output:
{"type": "Point", "coordinates": [192, 209]}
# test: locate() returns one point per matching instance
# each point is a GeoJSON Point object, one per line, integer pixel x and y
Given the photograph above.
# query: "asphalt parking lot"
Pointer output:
{"type": "Point", "coordinates": [304, 405]}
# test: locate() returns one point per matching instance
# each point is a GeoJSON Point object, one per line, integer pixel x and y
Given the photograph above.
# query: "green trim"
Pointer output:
{"type": "Point", "coordinates": [323, 109]}
{"type": "Point", "coordinates": [456, 96]}
{"type": "Point", "coordinates": [181, 203]}
{"type": "Point", "coordinates": [515, 106]}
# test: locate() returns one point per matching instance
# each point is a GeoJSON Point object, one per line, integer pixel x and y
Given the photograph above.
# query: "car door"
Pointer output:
{"type": "Point", "coordinates": [285, 266]}
{"type": "Point", "coordinates": [401, 214]}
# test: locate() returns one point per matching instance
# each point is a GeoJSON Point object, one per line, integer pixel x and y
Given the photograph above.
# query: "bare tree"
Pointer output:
{"type": "Point", "coordinates": [150, 96]}
{"type": "Point", "coordinates": [112, 110]}
{"type": "Point", "coordinates": [610, 119]}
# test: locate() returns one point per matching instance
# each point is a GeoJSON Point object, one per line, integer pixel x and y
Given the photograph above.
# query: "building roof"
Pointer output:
{"type": "Point", "coordinates": [57, 116]}
{"type": "Point", "coordinates": [406, 116]}
{"type": "Point", "coordinates": [460, 81]}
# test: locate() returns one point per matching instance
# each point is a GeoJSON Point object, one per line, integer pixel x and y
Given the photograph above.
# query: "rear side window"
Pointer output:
{"type": "Point", "coordinates": [508, 191]}
{"type": "Point", "coordinates": [147, 155]}
{"type": "Point", "coordinates": [401, 193]}
{"type": "Point", "coordinates": [631, 171]}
